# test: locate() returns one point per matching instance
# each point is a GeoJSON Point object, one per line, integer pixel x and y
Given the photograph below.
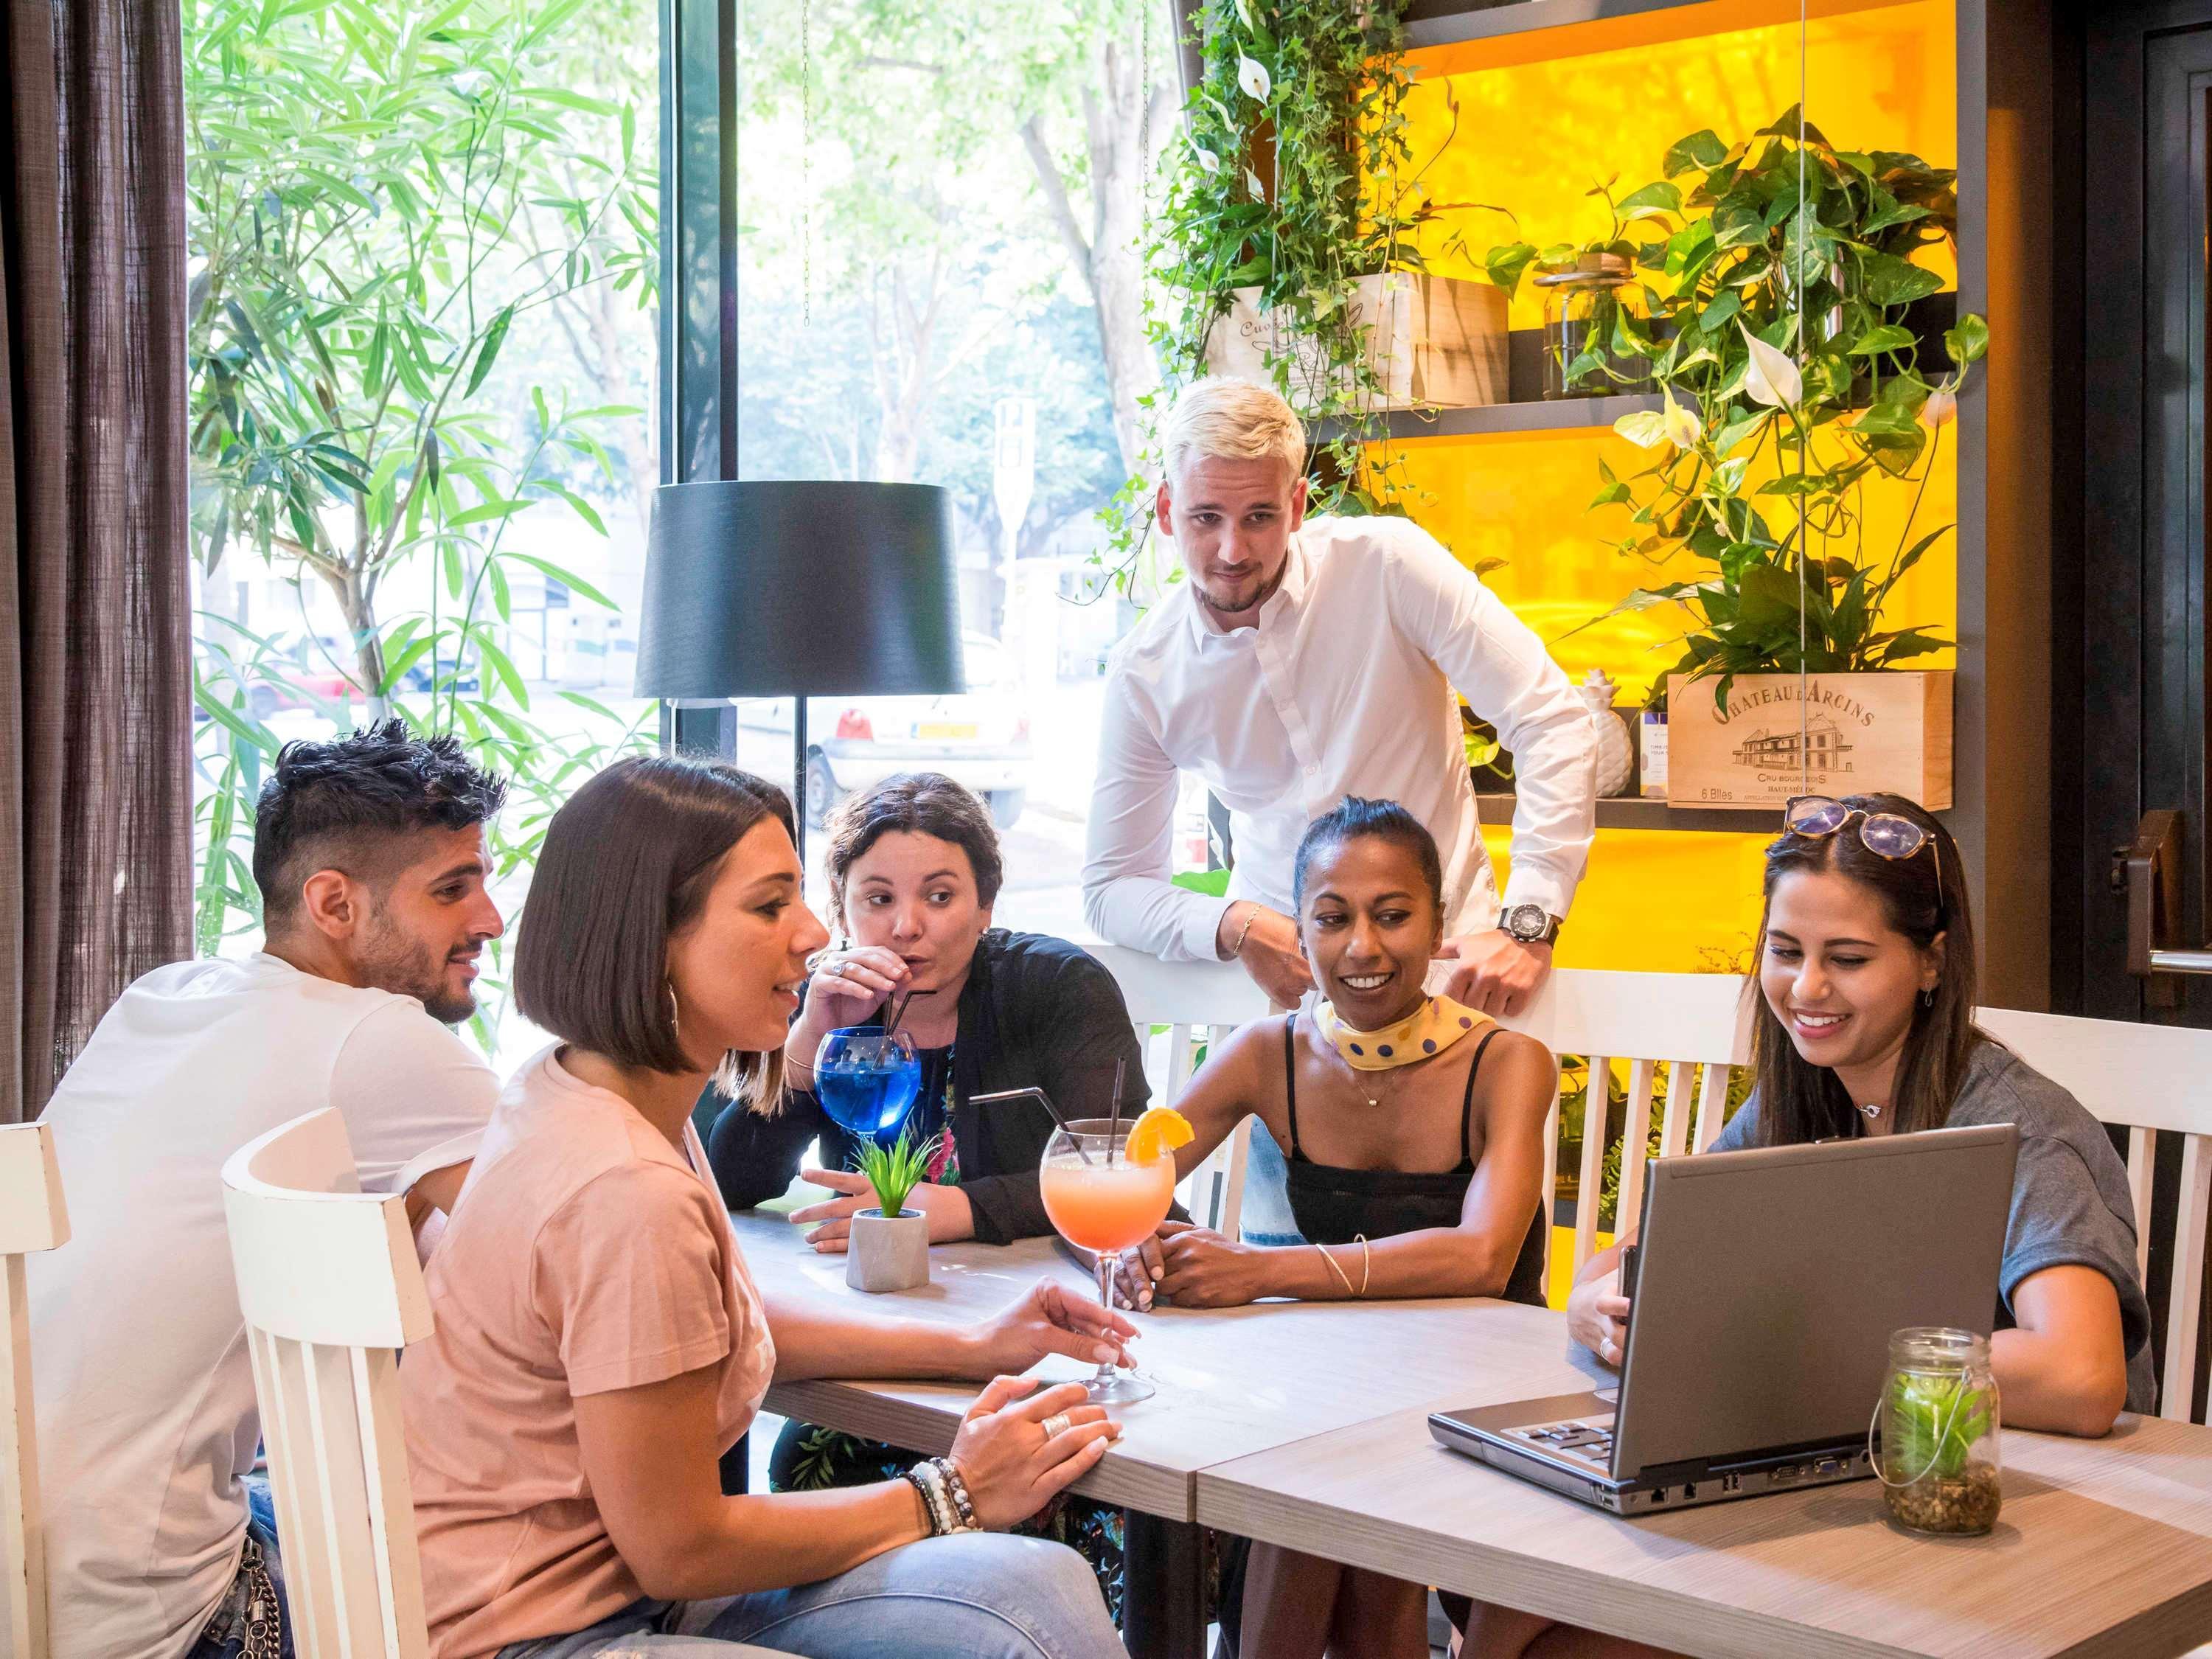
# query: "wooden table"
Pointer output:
{"type": "Point", "coordinates": [1232, 1382]}
{"type": "Point", "coordinates": [2104, 1548]}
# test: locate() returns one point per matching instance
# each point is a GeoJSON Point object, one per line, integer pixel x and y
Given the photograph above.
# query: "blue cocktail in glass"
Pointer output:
{"type": "Point", "coordinates": [866, 1081]}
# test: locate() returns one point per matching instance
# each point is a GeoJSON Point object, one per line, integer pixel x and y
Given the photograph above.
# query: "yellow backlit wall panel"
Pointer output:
{"type": "Point", "coordinates": [1535, 136]}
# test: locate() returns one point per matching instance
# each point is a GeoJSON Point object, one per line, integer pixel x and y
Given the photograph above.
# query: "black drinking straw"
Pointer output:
{"type": "Point", "coordinates": [1114, 1124]}
{"type": "Point", "coordinates": [1043, 1099]}
{"type": "Point", "coordinates": [899, 1012]}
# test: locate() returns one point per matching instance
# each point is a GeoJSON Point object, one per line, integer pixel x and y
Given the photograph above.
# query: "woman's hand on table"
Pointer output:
{"type": "Point", "coordinates": [1018, 1447]}
{"type": "Point", "coordinates": [1192, 1266]}
{"type": "Point", "coordinates": [951, 1215]}
{"type": "Point", "coordinates": [1052, 1319]}
{"type": "Point", "coordinates": [1597, 1317]}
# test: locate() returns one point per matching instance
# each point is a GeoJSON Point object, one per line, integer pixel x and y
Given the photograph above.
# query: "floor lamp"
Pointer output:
{"type": "Point", "coordinates": [777, 588]}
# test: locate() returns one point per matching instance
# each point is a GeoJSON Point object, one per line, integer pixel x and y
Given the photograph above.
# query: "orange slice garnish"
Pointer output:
{"type": "Point", "coordinates": [1158, 1132]}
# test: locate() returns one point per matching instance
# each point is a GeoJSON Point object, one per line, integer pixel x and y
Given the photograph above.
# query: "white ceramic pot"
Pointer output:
{"type": "Point", "coordinates": [888, 1253]}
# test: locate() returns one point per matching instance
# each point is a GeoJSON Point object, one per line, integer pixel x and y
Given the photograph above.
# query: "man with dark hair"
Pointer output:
{"type": "Point", "coordinates": [370, 852]}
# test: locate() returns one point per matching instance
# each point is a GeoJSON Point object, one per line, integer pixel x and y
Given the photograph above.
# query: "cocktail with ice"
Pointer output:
{"type": "Point", "coordinates": [867, 1080]}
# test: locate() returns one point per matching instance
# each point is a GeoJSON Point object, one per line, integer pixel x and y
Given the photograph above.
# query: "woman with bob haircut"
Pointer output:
{"type": "Point", "coordinates": [914, 869]}
{"type": "Point", "coordinates": [599, 1342]}
{"type": "Point", "coordinates": [1864, 1002]}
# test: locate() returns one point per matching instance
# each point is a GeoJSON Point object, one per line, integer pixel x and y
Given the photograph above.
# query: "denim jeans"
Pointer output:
{"type": "Point", "coordinates": [987, 1596]}
{"type": "Point", "coordinates": [241, 1629]}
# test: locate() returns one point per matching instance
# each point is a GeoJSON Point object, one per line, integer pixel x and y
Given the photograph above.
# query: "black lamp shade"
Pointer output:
{"type": "Point", "coordinates": [777, 589]}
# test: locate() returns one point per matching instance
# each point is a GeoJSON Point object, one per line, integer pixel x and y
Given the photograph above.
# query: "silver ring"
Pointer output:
{"type": "Point", "coordinates": [1056, 1425]}
{"type": "Point", "coordinates": [839, 968]}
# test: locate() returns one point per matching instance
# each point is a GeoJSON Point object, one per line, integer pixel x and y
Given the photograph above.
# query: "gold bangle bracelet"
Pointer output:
{"type": "Point", "coordinates": [1243, 933]}
{"type": "Point", "coordinates": [1339, 1271]}
{"type": "Point", "coordinates": [1366, 1264]}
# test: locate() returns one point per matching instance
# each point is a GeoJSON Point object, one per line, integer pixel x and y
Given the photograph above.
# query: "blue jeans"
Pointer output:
{"type": "Point", "coordinates": [975, 1596]}
{"type": "Point", "coordinates": [252, 1620]}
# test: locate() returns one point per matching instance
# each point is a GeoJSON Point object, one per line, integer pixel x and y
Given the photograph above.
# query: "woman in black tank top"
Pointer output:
{"type": "Point", "coordinates": [1414, 1131]}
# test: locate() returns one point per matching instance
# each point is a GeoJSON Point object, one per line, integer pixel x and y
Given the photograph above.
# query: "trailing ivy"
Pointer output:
{"type": "Point", "coordinates": [1294, 177]}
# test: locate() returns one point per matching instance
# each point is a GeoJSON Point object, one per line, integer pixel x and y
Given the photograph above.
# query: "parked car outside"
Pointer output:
{"type": "Point", "coordinates": [979, 738]}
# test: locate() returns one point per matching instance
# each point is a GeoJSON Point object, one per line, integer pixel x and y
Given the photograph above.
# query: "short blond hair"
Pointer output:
{"type": "Point", "coordinates": [1233, 420]}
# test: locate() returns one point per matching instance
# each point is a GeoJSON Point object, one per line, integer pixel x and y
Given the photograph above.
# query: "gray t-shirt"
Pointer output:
{"type": "Point", "coordinates": [2070, 1192]}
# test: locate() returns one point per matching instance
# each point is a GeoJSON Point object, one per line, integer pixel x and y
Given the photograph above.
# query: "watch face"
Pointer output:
{"type": "Point", "coordinates": [1527, 921]}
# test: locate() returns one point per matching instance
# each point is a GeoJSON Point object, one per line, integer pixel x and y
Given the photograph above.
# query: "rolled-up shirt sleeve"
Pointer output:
{"type": "Point", "coordinates": [1127, 898]}
{"type": "Point", "coordinates": [1495, 661]}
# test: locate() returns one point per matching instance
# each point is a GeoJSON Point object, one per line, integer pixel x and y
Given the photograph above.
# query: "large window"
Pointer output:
{"type": "Point", "coordinates": [425, 282]}
{"type": "Point", "coordinates": [939, 280]}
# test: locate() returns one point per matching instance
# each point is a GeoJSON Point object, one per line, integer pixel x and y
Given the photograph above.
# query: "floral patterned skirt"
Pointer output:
{"type": "Point", "coordinates": [810, 1459]}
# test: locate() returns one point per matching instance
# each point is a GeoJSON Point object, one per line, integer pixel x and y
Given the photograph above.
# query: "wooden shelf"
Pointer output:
{"type": "Point", "coordinates": [1564, 415]}
{"type": "Point", "coordinates": [1468, 35]}
{"type": "Point", "coordinates": [1634, 812]}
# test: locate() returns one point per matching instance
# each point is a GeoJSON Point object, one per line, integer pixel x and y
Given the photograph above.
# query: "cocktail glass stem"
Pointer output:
{"type": "Point", "coordinates": [1105, 1376]}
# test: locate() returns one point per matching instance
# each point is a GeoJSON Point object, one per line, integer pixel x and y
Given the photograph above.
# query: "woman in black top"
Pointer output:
{"type": "Point", "coordinates": [1413, 1130]}
{"type": "Point", "coordinates": [913, 869]}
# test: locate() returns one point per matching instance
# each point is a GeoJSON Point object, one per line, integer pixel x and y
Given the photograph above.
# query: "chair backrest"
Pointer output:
{"type": "Point", "coordinates": [32, 1217]}
{"type": "Point", "coordinates": [331, 1289]}
{"type": "Point", "coordinates": [1697, 1025]}
{"type": "Point", "coordinates": [1197, 1003]}
{"type": "Point", "coordinates": [2150, 1080]}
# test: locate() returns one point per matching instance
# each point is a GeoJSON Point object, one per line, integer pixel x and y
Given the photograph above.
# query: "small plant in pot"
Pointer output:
{"type": "Point", "coordinates": [889, 1247]}
{"type": "Point", "coordinates": [1597, 333]}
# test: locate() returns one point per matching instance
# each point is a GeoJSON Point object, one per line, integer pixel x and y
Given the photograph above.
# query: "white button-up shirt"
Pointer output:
{"type": "Point", "coordinates": [1344, 688]}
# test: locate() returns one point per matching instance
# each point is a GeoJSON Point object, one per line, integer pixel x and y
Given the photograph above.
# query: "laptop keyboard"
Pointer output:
{"type": "Point", "coordinates": [1589, 1442]}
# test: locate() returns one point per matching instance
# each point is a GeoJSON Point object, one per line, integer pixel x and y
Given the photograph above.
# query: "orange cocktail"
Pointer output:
{"type": "Point", "coordinates": [1108, 1207]}
{"type": "Point", "coordinates": [1105, 1201]}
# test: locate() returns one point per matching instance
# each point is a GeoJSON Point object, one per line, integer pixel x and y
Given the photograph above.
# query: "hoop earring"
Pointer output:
{"type": "Point", "coordinates": [675, 1012]}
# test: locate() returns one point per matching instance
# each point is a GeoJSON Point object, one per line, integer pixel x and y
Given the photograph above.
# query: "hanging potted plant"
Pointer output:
{"type": "Point", "coordinates": [1284, 243]}
{"type": "Point", "coordinates": [1793, 386]}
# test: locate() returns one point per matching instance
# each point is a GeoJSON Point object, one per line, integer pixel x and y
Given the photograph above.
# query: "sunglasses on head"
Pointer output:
{"type": "Point", "coordinates": [1885, 835]}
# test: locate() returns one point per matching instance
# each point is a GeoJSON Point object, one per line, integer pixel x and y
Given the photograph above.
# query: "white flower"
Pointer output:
{"type": "Point", "coordinates": [1252, 182]}
{"type": "Point", "coordinates": [1773, 380]}
{"type": "Point", "coordinates": [1941, 407]}
{"type": "Point", "coordinates": [1206, 158]}
{"type": "Point", "coordinates": [1683, 429]}
{"type": "Point", "coordinates": [1253, 78]}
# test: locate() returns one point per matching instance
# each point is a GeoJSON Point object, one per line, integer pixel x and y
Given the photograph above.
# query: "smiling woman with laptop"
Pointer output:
{"type": "Point", "coordinates": [1864, 1033]}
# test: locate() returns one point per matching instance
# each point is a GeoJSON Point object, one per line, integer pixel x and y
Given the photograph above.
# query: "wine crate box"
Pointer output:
{"type": "Point", "coordinates": [1435, 340]}
{"type": "Point", "coordinates": [1860, 734]}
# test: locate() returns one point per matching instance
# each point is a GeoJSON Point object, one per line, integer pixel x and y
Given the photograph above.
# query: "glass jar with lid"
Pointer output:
{"type": "Point", "coordinates": [1940, 1464]}
{"type": "Point", "coordinates": [1580, 308]}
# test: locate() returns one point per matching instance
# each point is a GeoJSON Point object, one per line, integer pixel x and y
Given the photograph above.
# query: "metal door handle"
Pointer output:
{"type": "Point", "coordinates": [2148, 871]}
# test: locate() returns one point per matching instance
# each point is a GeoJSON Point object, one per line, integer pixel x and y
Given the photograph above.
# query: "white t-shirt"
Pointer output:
{"type": "Point", "coordinates": [146, 1415]}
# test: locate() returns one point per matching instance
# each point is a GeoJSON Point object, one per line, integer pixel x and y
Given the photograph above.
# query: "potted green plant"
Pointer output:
{"type": "Point", "coordinates": [1941, 1464]}
{"type": "Point", "coordinates": [888, 1250]}
{"type": "Point", "coordinates": [1587, 286]}
{"type": "Point", "coordinates": [1285, 243]}
{"type": "Point", "coordinates": [1792, 386]}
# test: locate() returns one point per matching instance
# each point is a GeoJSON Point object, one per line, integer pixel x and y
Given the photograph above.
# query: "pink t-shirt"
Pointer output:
{"type": "Point", "coordinates": [586, 1254]}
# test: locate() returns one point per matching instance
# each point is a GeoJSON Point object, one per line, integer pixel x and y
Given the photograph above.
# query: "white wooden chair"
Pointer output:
{"type": "Point", "coordinates": [1696, 1024]}
{"type": "Point", "coordinates": [2151, 1080]}
{"type": "Point", "coordinates": [1199, 1003]}
{"type": "Point", "coordinates": [32, 1217]}
{"type": "Point", "coordinates": [331, 1290]}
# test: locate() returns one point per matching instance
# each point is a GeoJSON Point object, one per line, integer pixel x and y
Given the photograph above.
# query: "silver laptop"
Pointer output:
{"type": "Point", "coordinates": [1766, 1284]}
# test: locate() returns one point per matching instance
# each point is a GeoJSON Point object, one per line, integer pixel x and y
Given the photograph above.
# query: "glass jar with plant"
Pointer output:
{"type": "Point", "coordinates": [1939, 1461]}
{"type": "Point", "coordinates": [1792, 383]}
{"type": "Point", "coordinates": [1596, 315]}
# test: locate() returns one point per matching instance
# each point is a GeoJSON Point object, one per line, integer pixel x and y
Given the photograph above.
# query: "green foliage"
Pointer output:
{"type": "Point", "coordinates": [1780, 321]}
{"type": "Point", "coordinates": [383, 202]}
{"type": "Point", "coordinates": [896, 1170]}
{"type": "Point", "coordinates": [1932, 1424]}
{"type": "Point", "coordinates": [1294, 177]}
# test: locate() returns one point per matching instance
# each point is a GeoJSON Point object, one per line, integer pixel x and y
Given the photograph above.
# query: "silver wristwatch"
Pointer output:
{"type": "Point", "coordinates": [1532, 924]}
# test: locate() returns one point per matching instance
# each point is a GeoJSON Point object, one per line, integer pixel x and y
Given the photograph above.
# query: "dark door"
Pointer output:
{"type": "Point", "coordinates": [2133, 730]}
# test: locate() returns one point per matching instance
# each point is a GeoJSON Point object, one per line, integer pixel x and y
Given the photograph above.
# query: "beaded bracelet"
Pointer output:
{"type": "Point", "coordinates": [923, 1476]}
{"type": "Point", "coordinates": [955, 1486]}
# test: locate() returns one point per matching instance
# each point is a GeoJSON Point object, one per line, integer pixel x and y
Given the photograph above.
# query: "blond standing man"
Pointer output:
{"type": "Point", "coordinates": [1303, 660]}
